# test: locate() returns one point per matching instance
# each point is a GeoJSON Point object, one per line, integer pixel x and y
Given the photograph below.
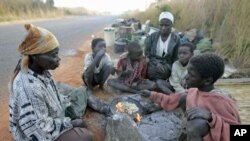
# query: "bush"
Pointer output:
{"type": "Point", "coordinates": [225, 21]}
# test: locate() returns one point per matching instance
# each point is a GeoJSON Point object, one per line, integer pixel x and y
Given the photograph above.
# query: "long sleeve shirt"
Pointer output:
{"type": "Point", "coordinates": [224, 110]}
{"type": "Point", "coordinates": [36, 111]}
{"type": "Point", "coordinates": [177, 76]}
{"type": "Point", "coordinates": [104, 60]}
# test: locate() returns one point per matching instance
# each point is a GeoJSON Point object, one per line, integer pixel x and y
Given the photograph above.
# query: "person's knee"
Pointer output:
{"type": "Point", "coordinates": [106, 68]}
{"type": "Point", "coordinates": [159, 82]}
{"type": "Point", "coordinates": [110, 82]}
{"type": "Point", "coordinates": [89, 135]}
{"type": "Point", "coordinates": [197, 127]}
{"type": "Point", "coordinates": [152, 85]}
{"type": "Point", "coordinates": [86, 134]}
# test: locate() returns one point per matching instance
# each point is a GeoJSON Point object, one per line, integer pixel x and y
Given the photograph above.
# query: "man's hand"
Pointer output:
{"type": "Point", "coordinates": [145, 93]}
{"type": "Point", "coordinates": [199, 113]}
{"type": "Point", "coordinates": [127, 71]}
{"type": "Point", "coordinates": [112, 70]}
{"type": "Point", "coordinates": [160, 68]}
{"type": "Point", "coordinates": [78, 123]}
{"type": "Point", "coordinates": [101, 53]}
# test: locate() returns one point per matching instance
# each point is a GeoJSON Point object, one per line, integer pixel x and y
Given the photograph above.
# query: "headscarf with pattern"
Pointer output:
{"type": "Point", "coordinates": [37, 41]}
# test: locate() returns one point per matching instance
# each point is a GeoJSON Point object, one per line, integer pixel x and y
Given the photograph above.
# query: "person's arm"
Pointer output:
{"type": "Point", "coordinates": [91, 65]}
{"type": "Point", "coordinates": [35, 120]}
{"type": "Point", "coordinates": [175, 81]}
{"type": "Point", "coordinates": [148, 45]}
{"type": "Point", "coordinates": [167, 102]}
{"type": "Point", "coordinates": [119, 69]}
{"type": "Point", "coordinates": [144, 69]}
{"type": "Point", "coordinates": [221, 122]}
{"type": "Point", "coordinates": [224, 114]}
{"type": "Point", "coordinates": [175, 51]}
{"type": "Point", "coordinates": [122, 69]}
{"type": "Point", "coordinates": [110, 63]}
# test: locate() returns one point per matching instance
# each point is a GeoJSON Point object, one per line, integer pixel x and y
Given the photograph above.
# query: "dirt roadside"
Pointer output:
{"type": "Point", "coordinates": [69, 72]}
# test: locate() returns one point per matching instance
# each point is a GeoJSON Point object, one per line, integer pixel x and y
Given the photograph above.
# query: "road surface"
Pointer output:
{"type": "Point", "coordinates": [71, 33]}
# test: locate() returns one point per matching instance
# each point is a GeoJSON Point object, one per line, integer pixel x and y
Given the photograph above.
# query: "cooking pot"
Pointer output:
{"type": "Point", "coordinates": [129, 100]}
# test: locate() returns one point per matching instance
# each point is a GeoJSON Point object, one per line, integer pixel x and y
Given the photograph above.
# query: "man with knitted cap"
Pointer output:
{"type": "Point", "coordinates": [36, 110]}
{"type": "Point", "coordinates": [161, 48]}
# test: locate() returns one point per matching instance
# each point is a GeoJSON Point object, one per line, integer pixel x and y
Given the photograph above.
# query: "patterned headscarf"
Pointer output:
{"type": "Point", "coordinates": [37, 41]}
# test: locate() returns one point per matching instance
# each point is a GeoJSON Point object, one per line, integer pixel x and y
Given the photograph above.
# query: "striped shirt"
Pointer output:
{"type": "Point", "coordinates": [36, 112]}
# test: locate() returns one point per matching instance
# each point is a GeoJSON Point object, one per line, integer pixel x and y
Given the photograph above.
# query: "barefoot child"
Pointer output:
{"type": "Point", "coordinates": [131, 71]}
{"type": "Point", "coordinates": [209, 111]}
{"type": "Point", "coordinates": [97, 65]}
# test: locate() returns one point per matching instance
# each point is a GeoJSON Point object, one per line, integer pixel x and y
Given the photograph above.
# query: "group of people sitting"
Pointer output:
{"type": "Point", "coordinates": [165, 71]}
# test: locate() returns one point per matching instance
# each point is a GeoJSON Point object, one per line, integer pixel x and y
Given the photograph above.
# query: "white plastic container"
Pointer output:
{"type": "Point", "coordinates": [109, 36]}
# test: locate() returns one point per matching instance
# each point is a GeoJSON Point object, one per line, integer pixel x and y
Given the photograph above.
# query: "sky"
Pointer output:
{"type": "Point", "coordinates": [112, 6]}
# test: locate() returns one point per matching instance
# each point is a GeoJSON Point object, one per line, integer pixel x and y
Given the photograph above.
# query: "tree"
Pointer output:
{"type": "Point", "coordinates": [50, 3]}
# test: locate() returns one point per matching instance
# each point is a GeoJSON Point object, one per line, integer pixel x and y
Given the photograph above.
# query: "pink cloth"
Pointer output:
{"type": "Point", "coordinates": [224, 110]}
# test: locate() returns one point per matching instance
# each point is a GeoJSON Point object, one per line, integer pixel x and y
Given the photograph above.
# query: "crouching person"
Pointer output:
{"type": "Point", "coordinates": [131, 71]}
{"type": "Point", "coordinates": [97, 65]}
{"type": "Point", "coordinates": [36, 110]}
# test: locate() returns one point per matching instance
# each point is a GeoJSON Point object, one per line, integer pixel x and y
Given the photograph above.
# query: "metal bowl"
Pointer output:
{"type": "Point", "coordinates": [126, 99]}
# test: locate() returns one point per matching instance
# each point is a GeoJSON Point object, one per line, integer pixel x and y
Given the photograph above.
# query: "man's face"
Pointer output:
{"type": "Point", "coordinates": [99, 46]}
{"type": "Point", "coordinates": [165, 26]}
{"type": "Point", "coordinates": [193, 78]}
{"type": "Point", "coordinates": [184, 54]}
{"type": "Point", "coordinates": [49, 60]}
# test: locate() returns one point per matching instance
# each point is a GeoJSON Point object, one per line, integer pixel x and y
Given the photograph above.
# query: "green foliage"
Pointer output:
{"type": "Point", "coordinates": [151, 13]}
{"type": "Point", "coordinates": [226, 21]}
{"type": "Point", "coordinates": [50, 3]}
{"type": "Point", "coordinates": [30, 9]}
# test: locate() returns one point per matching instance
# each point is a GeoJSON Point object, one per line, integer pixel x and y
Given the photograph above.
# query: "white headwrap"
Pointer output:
{"type": "Point", "coordinates": [166, 15]}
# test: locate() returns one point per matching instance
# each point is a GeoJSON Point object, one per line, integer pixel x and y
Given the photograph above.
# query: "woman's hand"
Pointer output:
{"type": "Point", "coordinates": [160, 68]}
{"type": "Point", "coordinates": [78, 123]}
{"type": "Point", "coordinates": [199, 113]}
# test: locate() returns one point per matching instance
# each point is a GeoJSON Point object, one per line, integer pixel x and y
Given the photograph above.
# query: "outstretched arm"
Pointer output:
{"type": "Point", "coordinates": [167, 102]}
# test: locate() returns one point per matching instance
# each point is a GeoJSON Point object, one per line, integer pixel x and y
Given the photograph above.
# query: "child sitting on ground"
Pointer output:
{"type": "Point", "coordinates": [131, 71]}
{"type": "Point", "coordinates": [179, 70]}
{"type": "Point", "coordinates": [209, 112]}
{"type": "Point", "coordinates": [97, 65]}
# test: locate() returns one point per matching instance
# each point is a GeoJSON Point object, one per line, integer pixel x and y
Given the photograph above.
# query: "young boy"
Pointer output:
{"type": "Point", "coordinates": [179, 70]}
{"type": "Point", "coordinates": [208, 111]}
{"type": "Point", "coordinates": [131, 71]}
{"type": "Point", "coordinates": [97, 65]}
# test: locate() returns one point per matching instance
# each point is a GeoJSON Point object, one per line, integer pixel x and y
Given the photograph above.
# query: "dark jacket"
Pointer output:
{"type": "Point", "coordinates": [167, 60]}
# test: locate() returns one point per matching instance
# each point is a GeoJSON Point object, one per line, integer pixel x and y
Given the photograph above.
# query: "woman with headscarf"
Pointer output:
{"type": "Point", "coordinates": [161, 49]}
{"type": "Point", "coordinates": [36, 110]}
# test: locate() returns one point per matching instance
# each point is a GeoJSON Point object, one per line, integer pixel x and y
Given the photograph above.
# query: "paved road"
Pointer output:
{"type": "Point", "coordinates": [71, 33]}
